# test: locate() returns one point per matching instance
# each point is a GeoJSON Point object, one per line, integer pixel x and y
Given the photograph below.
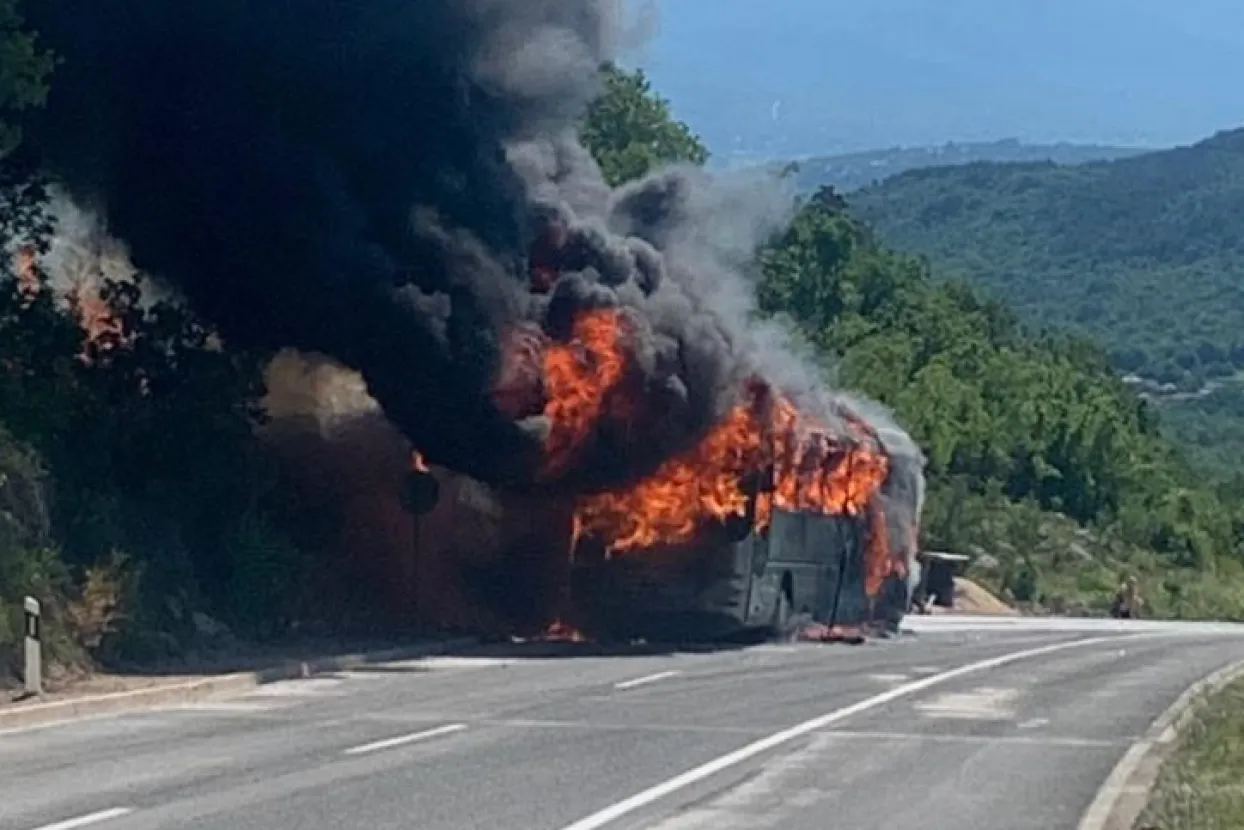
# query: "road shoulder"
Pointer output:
{"type": "Point", "coordinates": [141, 693]}
{"type": "Point", "coordinates": [1123, 798]}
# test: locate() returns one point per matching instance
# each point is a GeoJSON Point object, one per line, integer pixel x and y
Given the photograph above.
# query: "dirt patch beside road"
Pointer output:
{"type": "Point", "coordinates": [971, 598]}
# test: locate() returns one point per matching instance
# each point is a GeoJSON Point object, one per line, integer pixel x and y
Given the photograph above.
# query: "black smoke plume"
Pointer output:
{"type": "Point", "coordinates": [367, 179]}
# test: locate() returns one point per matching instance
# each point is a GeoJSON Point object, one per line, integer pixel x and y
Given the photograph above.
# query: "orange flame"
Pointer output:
{"type": "Point", "coordinates": [578, 376]}
{"type": "Point", "coordinates": [812, 470]}
{"type": "Point", "coordinates": [879, 562]}
{"type": "Point", "coordinates": [28, 280]}
{"type": "Point", "coordinates": [562, 632]}
{"type": "Point", "coordinates": [94, 315]}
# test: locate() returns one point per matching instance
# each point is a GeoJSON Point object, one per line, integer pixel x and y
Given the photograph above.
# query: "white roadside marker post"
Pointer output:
{"type": "Point", "coordinates": [34, 648]}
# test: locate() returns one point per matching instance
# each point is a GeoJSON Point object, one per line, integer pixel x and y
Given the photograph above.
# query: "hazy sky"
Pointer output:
{"type": "Point", "coordinates": [793, 77]}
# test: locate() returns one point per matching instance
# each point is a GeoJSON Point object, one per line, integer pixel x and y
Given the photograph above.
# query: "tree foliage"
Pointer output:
{"type": "Point", "coordinates": [630, 129]}
{"type": "Point", "coordinates": [24, 72]}
{"type": "Point", "coordinates": [1145, 253]}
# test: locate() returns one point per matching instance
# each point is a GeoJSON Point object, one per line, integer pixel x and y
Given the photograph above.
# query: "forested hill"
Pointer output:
{"type": "Point", "coordinates": [1145, 253]}
{"type": "Point", "coordinates": [852, 171]}
{"type": "Point", "coordinates": [1041, 460]}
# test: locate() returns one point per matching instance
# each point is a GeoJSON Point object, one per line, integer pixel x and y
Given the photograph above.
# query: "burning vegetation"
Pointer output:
{"type": "Point", "coordinates": [586, 358]}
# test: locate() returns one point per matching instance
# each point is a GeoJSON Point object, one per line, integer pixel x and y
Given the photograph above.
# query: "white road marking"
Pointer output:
{"type": "Point", "coordinates": [452, 662]}
{"type": "Point", "coordinates": [232, 706]}
{"type": "Point", "coordinates": [770, 648]}
{"type": "Point", "coordinates": [308, 687]}
{"type": "Point", "coordinates": [402, 740]}
{"type": "Point", "coordinates": [988, 740]}
{"type": "Point", "coordinates": [692, 776]}
{"type": "Point", "coordinates": [364, 675]}
{"type": "Point", "coordinates": [983, 703]}
{"type": "Point", "coordinates": [888, 678]}
{"type": "Point", "coordinates": [646, 679]}
{"type": "Point", "coordinates": [1087, 625]}
{"type": "Point", "coordinates": [1034, 723]}
{"type": "Point", "coordinates": [621, 727]}
{"type": "Point", "coordinates": [89, 818]}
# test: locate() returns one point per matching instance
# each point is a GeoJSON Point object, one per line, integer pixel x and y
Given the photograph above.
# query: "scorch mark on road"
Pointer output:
{"type": "Point", "coordinates": [653, 794]}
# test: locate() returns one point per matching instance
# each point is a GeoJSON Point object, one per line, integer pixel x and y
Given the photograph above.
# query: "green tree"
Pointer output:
{"type": "Point", "coordinates": [630, 131]}
{"type": "Point", "coordinates": [24, 71]}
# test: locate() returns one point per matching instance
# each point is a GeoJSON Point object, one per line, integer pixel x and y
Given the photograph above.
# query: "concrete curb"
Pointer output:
{"type": "Point", "coordinates": [24, 716]}
{"type": "Point", "coordinates": [1123, 797]}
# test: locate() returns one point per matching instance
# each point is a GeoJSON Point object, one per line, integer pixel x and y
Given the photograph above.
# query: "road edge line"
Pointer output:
{"type": "Point", "coordinates": [1122, 798]}
{"type": "Point", "coordinates": [651, 795]}
{"type": "Point", "coordinates": [27, 716]}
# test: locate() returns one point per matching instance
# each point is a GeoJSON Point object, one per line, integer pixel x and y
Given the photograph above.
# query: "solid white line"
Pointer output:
{"type": "Point", "coordinates": [90, 818]}
{"type": "Point", "coordinates": [936, 737]}
{"type": "Point", "coordinates": [400, 740]}
{"type": "Point", "coordinates": [652, 794]}
{"type": "Point", "coordinates": [645, 680]}
{"type": "Point", "coordinates": [1109, 806]}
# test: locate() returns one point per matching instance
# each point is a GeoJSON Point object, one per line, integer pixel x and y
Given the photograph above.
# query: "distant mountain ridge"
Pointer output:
{"type": "Point", "coordinates": [1145, 252]}
{"type": "Point", "coordinates": [851, 171]}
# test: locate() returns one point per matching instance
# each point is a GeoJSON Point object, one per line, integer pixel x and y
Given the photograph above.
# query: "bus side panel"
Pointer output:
{"type": "Point", "coordinates": [762, 584]}
{"type": "Point", "coordinates": [840, 598]}
{"type": "Point", "coordinates": [825, 538]}
{"type": "Point", "coordinates": [853, 605]}
{"type": "Point", "coordinates": [789, 561]}
{"type": "Point", "coordinates": [665, 595]}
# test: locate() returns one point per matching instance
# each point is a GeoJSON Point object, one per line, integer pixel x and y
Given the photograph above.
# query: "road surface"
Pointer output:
{"type": "Point", "coordinates": [962, 724]}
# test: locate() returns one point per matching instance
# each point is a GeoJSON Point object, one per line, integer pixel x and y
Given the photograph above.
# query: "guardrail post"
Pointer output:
{"type": "Point", "coordinates": [34, 647]}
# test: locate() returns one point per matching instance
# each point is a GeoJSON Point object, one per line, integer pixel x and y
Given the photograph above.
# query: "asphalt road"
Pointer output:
{"type": "Point", "coordinates": [961, 725]}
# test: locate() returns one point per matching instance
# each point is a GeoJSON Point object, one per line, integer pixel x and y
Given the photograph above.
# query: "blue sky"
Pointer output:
{"type": "Point", "coordinates": [861, 74]}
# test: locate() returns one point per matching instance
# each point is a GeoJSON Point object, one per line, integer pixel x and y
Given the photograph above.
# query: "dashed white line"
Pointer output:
{"type": "Point", "coordinates": [402, 740]}
{"type": "Point", "coordinates": [645, 680]}
{"type": "Point", "coordinates": [88, 819]}
{"type": "Point", "coordinates": [623, 808]}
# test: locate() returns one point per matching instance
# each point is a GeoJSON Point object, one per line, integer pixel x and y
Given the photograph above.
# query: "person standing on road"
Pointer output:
{"type": "Point", "coordinates": [1127, 600]}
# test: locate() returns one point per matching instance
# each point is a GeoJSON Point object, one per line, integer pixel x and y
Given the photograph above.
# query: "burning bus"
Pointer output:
{"type": "Point", "coordinates": [768, 524]}
{"type": "Point", "coordinates": [820, 574]}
